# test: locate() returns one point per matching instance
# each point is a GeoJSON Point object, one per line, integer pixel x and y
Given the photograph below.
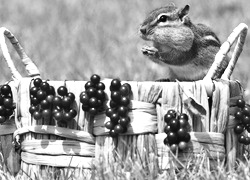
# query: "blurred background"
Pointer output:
{"type": "Point", "coordinates": [72, 39]}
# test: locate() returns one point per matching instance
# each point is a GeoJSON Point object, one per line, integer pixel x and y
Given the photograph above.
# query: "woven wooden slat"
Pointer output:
{"type": "Point", "coordinates": [57, 161]}
{"type": "Point", "coordinates": [141, 110]}
{"type": "Point", "coordinates": [239, 34]}
{"type": "Point", "coordinates": [58, 147]}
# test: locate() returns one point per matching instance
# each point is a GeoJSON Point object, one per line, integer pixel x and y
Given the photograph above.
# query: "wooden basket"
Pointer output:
{"type": "Point", "coordinates": [10, 156]}
{"type": "Point", "coordinates": [42, 143]}
{"type": "Point", "coordinates": [212, 132]}
{"type": "Point", "coordinates": [76, 146]}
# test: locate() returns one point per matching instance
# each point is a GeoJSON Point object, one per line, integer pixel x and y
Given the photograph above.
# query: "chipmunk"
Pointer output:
{"type": "Point", "coordinates": [187, 49]}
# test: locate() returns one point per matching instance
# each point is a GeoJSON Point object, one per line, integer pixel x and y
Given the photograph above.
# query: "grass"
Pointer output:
{"type": "Point", "coordinates": [74, 39]}
{"type": "Point", "coordinates": [196, 167]}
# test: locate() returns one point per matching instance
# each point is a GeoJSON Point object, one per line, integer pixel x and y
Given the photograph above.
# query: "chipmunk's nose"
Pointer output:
{"type": "Point", "coordinates": [143, 30]}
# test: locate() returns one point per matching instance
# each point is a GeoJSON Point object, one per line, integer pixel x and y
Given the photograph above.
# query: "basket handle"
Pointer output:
{"type": "Point", "coordinates": [240, 33]}
{"type": "Point", "coordinates": [30, 67]}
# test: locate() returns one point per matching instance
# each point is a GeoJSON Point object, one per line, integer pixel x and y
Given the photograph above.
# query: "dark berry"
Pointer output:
{"type": "Point", "coordinates": [183, 123]}
{"type": "Point", "coordinates": [100, 94]}
{"type": "Point", "coordinates": [84, 99]}
{"type": "Point", "coordinates": [174, 125]}
{"type": "Point", "coordinates": [6, 89]}
{"type": "Point", "coordinates": [112, 133]}
{"type": "Point", "coordinates": [114, 118]}
{"type": "Point", "coordinates": [168, 117]}
{"type": "Point", "coordinates": [124, 90]}
{"type": "Point", "coordinates": [240, 103]}
{"type": "Point", "coordinates": [99, 103]}
{"type": "Point", "coordinates": [56, 110]}
{"type": "Point", "coordinates": [8, 102]}
{"type": "Point", "coordinates": [115, 85]}
{"type": "Point", "coordinates": [113, 104]}
{"type": "Point", "coordinates": [128, 86]}
{"type": "Point", "coordinates": [37, 115]}
{"type": "Point", "coordinates": [93, 102]}
{"type": "Point", "coordinates": [239, 115]}
{"type": "Point", "coordinates": [238, 129]}
{"type": "Point", "coordinates": [33, 91]}
{"type": "Point", "coordinates": [91, 92]}
{"type": "Point", "coordinates": [34, 101]}
{"type": "Point", "coordinates": [51, 91]}
{"type": "Point", "coordinates": [66, 102]}
{"type": "Point", "coordinates": [58, 116]}
{"type": "Point", "coordinates": [85, 108]}
{"type": "Point", "coordinates": [62, 91]}
{"type": "Point", "coordinates": [182, 133]}
{"type": "Point", "coordinates": [109, 125]}
{"type": "Point", "coordinates": [167, 129]}
{"type": "Point", "coordinates": [183, 116]}
{"type": "Point", "coordinates": [172, 138]}
{"type": "Point", "coordinates": [32, 109]}
{"type": "Point", "coordinates": [246, 111]}
{"type": "Point", "coordinates": [173, 112]}
{"type": "Point", "coordinates": [182, 145]}
{"type": "Point", "coordinates": [45, 104]}
{"type": "Point", "coordinates": [41, 95]}
{"type": "Point", "coordinates": [73, 113]}
{"type": "Point", "coordinates": [247, 140]}
{"type": "Point", "coordinates": [71, 96]}
{"type": "Point", "coordinates": [2, 119]}
{"type": "Point", "coordinates": [57, 101]}
{"type": "Point", "coordinates": [119, 129]}
{"type": "Point", "coordinates": [100, 86]}
{"type": "Point", "coordinates": [165, 141]}
{"type": "Point", "coordinates": [125, 101]}
{"type": "Point", "coordinates": [242, 139]}
{"type": "Point", "coordinates": [93, 111]}
{"type": "Point", "coordinates": [50, 98]}
{"type": "Point", "coordinates": [95, 78]}
{"type": "Point", "coordinates": [173, 148]}
{"type": "Point", "coordinates": [116, 96]}
{"type": "Point", "coordinates": [37, 82]}
{"type": "Point", "coordinates": [246, 120]}
{"type": "Point", "coordinates": [124, 121]}
{"type": "Point", "coordinates": [88, 85]}
{"type": "Point", "coordinates": [2, 110]}
{"type": "Point", "coordinates": [122, 111]}
{"type": "Point", "coordinates": [8, 112]}
{"type": "Point", "coordinates": [46, 113]}
{"type": "Point", "coordinates": [109, 112]}
{"type": "Point", "coordinates": [45, 87]}
{"type": "Point", "coordinates": [67, 116]}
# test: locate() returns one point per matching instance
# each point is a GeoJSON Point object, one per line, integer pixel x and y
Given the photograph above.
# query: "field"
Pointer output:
{"type": "Point", "coordinates": [72, 39]}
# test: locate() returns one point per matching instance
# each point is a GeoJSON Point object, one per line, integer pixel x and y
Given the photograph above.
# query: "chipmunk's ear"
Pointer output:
{"type": "Point", "coordinates": [183, 12]}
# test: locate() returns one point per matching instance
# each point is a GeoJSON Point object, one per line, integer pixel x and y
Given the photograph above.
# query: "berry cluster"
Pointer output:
{"type": "Point", "coordinates": [242, 116]}
{"type": "Point", "coordinates": [6, 103]}
{"type": "Point", "coordinates": [118, 111]}
{"type": "Point", "coordinates": [176, 130]}
{"type": "Point", "coordinates": [45, 102]}
{"type": "Point", "coordinates": [93, 97]}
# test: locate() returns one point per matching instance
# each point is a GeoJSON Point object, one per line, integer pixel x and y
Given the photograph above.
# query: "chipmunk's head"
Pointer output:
{"type": "Point", "coordinates": [168, 26]}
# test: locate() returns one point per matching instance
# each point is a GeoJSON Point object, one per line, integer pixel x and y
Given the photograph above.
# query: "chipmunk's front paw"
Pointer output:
{"type": "Point", "coordinates": [150, 51]}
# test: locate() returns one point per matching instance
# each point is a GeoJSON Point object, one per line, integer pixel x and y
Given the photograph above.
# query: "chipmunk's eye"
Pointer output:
{"type": "Point", "coordinates": [163, 18]}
